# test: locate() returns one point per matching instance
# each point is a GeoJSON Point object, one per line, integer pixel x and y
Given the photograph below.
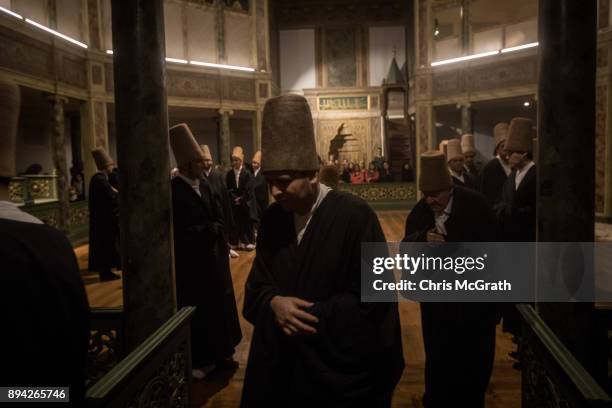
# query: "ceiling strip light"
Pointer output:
{"type": "Point", "coordinates": [465, 58]}
{"type": "Point", "coordinates": [178, 61]}
{"type": "Point", "coordinates": [12, 13]}
{"type": "Point", "coordinates": [520, 47]}
{"type": "Point", "coordinates": [109, 52]}
{"type": "Point", "coordinates": [47, 29]}
{"type": "Point", "coordinates": [210, 64]}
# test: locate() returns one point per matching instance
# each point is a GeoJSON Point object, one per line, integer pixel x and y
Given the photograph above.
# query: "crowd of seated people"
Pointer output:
{"type": "Point", "coordinates": [357, 173]}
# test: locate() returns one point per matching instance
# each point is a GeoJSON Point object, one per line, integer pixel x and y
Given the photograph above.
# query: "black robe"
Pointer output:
{"type": "Point", "coordinates": [245, 213]}
{"type": "Point", "coordinates": [44, 310]}
{"type": "Point", "coordinates": [103, 225]}
{"type": "Point", "coordinates": [468, 181]}
{"type": "Point", "coordinates": [203, 278]}
{"type": "Point", "coordinates": [355, 358]}
{"type": "Point", "coordinates": [216, 181]}
{"type": "Point", "coordinates": [517, 212]}
{"type": "Point", "coordinates": [492, 179]}
{"type": "Point", "coordinates": [517, 216]}
{"type": "Point", "coordinates": [459, 338]}
{"type": "Point", "coordinates": [260, 189]}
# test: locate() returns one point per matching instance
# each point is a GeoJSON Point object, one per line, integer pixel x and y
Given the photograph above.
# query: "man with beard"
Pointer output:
{"type": "Point", "coordinates": [517, 210]}
{"type": "Point", "coordinates": [459, 337]}
{"type": "Point", "coordinates": [103, 218]}
{"type": "Point", "coordinates": [216, 181]}
{"type": "Point", "coordinates": [496, 171]}
{"type": "Point", "coordinates": [239, 182]}
{"type": "Point", "coordinates": [260, 186]}
{"type": "Point", "coordinates": [454, 157]}
{"type": "Point", "coordinates": [314, 342]}
{"type": "Point", "coordinates": [202, 272]}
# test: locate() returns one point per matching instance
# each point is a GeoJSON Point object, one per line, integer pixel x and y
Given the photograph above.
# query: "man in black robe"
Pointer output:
{"type": "Point", "coordinates": [456, 165]}
{"type": "Point", "coordinates": [260, 185]}
{"type": "Point", "coordinates": [239, 182]}
{"type": "Point", "coordinates": [496, 171]}
{"type": "Point", "coordinates": [103, 219]}
{"type": "Point", "coordinates": [517, 209]}
{"type": "Point", "coordinates": [468, 147]}
{"type": "Point", "coordinates": [43, 305]}
{"type": "Point", "coordinates": [216, 181]}
{"type": "Point", "coordinates": [314, 342]}
{"type": "Point", "coordinates": [459, 338]}
{"type": "Point", "coordinates": [203, 277]}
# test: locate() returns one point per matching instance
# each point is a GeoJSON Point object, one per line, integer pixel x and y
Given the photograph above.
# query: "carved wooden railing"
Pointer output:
{"type": "Point", "coordinates": [552, 377]}
{"type": "Point", "coordinates": [156, 374]}
{"type": "Point", "coordinates": [106, 342]}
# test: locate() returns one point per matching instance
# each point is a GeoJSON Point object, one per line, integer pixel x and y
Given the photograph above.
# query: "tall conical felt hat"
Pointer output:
{"type": "Point", "coordinates": [453, 150]}
{"type": "Point", "coordinates": [520, 135]}
{"type": "Point", "coordinates": [10, 104]}
{"type": "Point", "coordinates": [257, 157]}
{"type": "Point", "coordinates": [287, 135]}
{"type": "Point", "coordinates": [500, 133]}
{"type": "Point", "coordinates": [443, 146]}
{"type": "Point", "coordinates": [468, 145]}
{"type": "Point", "coordinates": [102, 158]}
{"type": "Point", "coordinates": [238, 152]}
{"type": "Point", "coordinates": [184, 145]}
{"type": "Point", "coordinates": [433, 172]}
{"type": "Point", "coordinates": [206, 152]}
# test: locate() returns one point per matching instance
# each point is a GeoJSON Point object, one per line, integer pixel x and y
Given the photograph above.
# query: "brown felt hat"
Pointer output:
{"type": "Point", "coordinates": [102, 158]}
{"type": "Point", "coordinates": [287, 136]}
{"type": "Point", "coordinates": [453, 150]}
{"type": "Point", "coordinates": [257, 157]}
{"type": "Point", "coordinates": [10, 104]}
{"type": "Point", "coordinates": [468, 145]}
{"type": "Point", "coordinates": [238, 152]}
{"type": "Point", "coordinates": [433, 172]}
{"type": "Point", "coordinates": [184, 145]}
{"type": "Point", "coordinates": [500, 133]}
{"type": "Point", "coordinates": [520, 135]}
{"type": "Point", "coordinates": [206, 152]}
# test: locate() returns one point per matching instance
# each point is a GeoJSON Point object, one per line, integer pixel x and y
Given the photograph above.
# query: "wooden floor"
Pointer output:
{"type": "Point", "coordinates": [223, 389]}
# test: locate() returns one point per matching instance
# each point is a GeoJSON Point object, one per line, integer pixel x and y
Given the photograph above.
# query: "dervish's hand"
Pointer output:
{"type": "Point", "coordinates": [290, 316]}
{"type": "Point", "coordinates": [433, 236]}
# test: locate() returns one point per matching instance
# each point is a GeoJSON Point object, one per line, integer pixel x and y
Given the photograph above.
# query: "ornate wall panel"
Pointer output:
{"type": "Point", "coordinates": [192, 85]}
{"type": "Point", "coordinates": [504, 74]}
{"type": "Point", "coordinates": [341, 57]}
{"type": "Point", "coordinates": [72, 71]}
{"type": "Point", "coordinates": [239, 89]}
{"type": "Point", "coordinates": [26, 55]}
{"type": "Point", "coordinates": [601, 108]}
{"type": "Point", "coordinates": [447, 83]}
{"type": "Point", "coordinates": [357, 133]}
{"type": "Point", "coordinates": [94, 26]}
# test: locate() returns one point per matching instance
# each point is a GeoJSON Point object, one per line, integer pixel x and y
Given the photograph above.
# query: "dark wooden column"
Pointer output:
{"type": "Point", "coordinates": [144, 167]}
{"type": "Point", "coordinates": [566, 132]}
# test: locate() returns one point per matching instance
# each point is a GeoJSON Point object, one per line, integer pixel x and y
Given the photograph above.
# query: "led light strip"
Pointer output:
{"type": "Point", "coordinates": [520, 47]}
{"type": "Point", "coordinates": [49, 30]}
{"type": "Point", "coordinates": [484, 54]}
{"type": "Point", "coordinates": [203, 64]}
{"type": "Point", "coordinates": [465, 58]}
{"type": "Point", "coordinates": [210, 64]}
{"type": "Point", "coordinates": [12, 13]}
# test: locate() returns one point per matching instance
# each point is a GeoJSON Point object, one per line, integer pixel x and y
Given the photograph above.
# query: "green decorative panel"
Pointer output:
{"type": "Point", "coordinates": [327, 103]}
{"type": "Point", "coordinates": [384, 195]}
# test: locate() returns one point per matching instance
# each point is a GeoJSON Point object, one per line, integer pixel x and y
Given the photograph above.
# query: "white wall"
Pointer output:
{"type": "Point", "coordinates": [201, 36]}
{"type": "Point", "coordinates": [173, 24]}
{"type": "Point", "coordinates": [297, 60]}
{"type": "Point", "coordinates": [521, 33]}
{"type": "Point", "coordinates": [68, 15]}
{"type": "Point", "coordinates": [35, 10]}
{"type": "Point", "coordinates": [383, 40]}
{"type": "Point", "coordinates": [238, 39]}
